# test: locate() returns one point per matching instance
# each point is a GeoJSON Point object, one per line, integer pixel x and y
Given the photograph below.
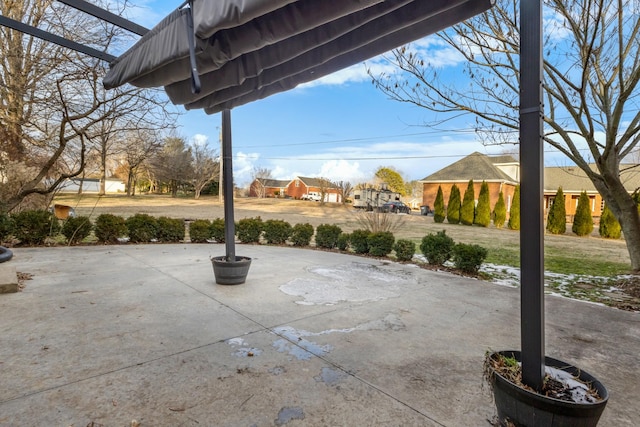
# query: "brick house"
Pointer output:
{"type": "Point", "coordinates": [301, 185]}
{"type": "Point", "coordinates": [263, 187]}
{"type": "Point", "coordinates": [501, 173]}
{"type": "Point", "coordinates": [574, 180]}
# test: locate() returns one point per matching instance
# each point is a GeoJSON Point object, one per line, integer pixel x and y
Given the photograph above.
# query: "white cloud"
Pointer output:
{"type": "Point", "coordinates": [354, 74]}
{"type": "Point", "coordinates": [199, 139]}
{"type": "Point", "coordinates": [243, 166]}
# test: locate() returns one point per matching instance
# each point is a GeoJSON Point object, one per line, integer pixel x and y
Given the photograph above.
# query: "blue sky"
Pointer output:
{"type": "Point", "coordinates": [340, 127]}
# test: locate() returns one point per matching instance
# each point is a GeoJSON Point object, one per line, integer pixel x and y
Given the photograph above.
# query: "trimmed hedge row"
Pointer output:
{"type": "Point", "coordinates": [35, 227]}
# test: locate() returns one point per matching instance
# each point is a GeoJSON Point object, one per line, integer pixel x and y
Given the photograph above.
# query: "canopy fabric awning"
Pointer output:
{"type": "Point", "coordinates": [246, 50]}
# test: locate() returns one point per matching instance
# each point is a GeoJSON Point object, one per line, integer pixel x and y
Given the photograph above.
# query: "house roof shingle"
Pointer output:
{"type": "Point", "coordinates": [574, 179]}
{"type": "Point", "coordinates": [275, 183]}
{"type": "Point", "coordinates": [316, 182]}
{"type": "Point", "coordinates": [476, 166]}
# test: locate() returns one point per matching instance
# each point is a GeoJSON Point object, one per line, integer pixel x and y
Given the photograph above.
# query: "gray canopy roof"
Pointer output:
{"type": "Point", "coordinates": [249, 49]}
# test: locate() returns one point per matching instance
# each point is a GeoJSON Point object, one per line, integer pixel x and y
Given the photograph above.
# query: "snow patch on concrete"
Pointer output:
{"type": "Point", "coordinates": [353, 282]}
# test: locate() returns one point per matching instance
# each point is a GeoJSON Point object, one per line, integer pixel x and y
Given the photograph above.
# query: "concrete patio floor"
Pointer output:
{"type": "Point", "coordinates": [111, 334]}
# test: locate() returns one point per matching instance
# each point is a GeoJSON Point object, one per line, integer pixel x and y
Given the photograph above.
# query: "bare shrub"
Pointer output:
{"type": "Point", "coordinates": [376, 222]}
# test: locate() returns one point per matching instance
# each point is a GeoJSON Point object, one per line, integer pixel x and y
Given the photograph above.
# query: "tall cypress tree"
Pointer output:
{"type": "Point", "coordinates": [499, 212]}
{"type": "Point", "coordinates": [557, 218]}
{"type": "Point", "coordinates": [514, 213]}
{"type": "Point", "coordinates": [609, 226]}
{"type": "Point", "coordinates": [582, 221]}
{"type": "Point", "coordinates": [467, 211]}
{"type": "Point", "coordinates": [483, 210]}
{"type": "Point", "coordinates": [453, 208]}
{"type": "Point", "coordinates": [438, 207]}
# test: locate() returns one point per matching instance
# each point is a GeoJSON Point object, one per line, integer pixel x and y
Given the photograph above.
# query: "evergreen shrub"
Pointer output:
{"type": "Point", "coordinates": [438, 207]}
{"type": "Point", "coordinates": [453, 208]}
{"type": "Point", "coordinates": [216, 231]}
{"type": "Point", "coordinates": [141, 228]}
{"type": "Point", "coordinates": [76, 229]}
{"type": "Point", "coordinates": [34, 226]}
{"type": "Point", "coordinates": [6, 226]}
{"type": "Point", "coordinates": [301, 234]}
{"type": "Point", "coordinates": [467, 211]}
{"type": "Point", "coordinates": [514, 214]}
{"type": "Point", "coordinates": [582, 221]}
{"type": "Point", "coordinates": [108, 228]}
{"type": "Point", "coordinates": [499, 212]}
{"type": "Point", "coordinates": [170, 230]}
{"type": "Point", "coordinates": [437, 248]}
{"type": "Point", "coordinates": [483, 210]}
{"type": "Point", "coordinates": [343, 241]}
{"type": "Point", "coordinates": [404, 249]}
{"type": "Point", "coordinates": [381, 243]}
{"type": "Point", "coordinates": [359, 241]}
{"type": "Point", "coordinates": [277, 231]}
{"type": "Point", "coordinates": [469, 258]}
{"type": "Point", "coordinates": [249, 230]}
{"type": "Point", "coordinates": [327, 236]}
{"type": "Point", "coordinates": [200, 231]}
{"type": "Point", "coordinates": [609, 226]}
{"type": "Point", "coordinates": [557, 218]}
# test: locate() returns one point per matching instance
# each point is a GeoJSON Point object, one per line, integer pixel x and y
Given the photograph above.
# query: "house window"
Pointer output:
{"type": "Point", "coordinates": [357, 197]}
{"type": "Point", "coordinates": [602, 205]}
{"type": "Point", "coordinates": [297, 183]}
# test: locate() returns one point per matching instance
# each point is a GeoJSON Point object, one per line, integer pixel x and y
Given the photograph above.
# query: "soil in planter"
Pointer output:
{"type": "Point", "coordinates": [557, 384]}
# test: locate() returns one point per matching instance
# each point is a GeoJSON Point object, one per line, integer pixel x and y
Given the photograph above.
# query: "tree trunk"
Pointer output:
{"type": "Point", "coordinates": [625, 210]}
{"type": "Point", "coordinates": [103, 172]}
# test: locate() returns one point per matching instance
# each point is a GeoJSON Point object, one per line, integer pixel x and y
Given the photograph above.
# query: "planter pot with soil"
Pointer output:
{"type": "Point", "coordinates": [230, 272]}
{"type": "Point", "coordinates": [571, 397]}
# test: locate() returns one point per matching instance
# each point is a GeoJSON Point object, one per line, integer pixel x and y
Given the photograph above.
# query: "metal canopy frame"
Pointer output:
{"type": "Point", "coordinates": [531, 161]}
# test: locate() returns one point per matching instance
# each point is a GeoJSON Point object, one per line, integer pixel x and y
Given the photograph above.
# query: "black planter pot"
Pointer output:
{"type": "Point", "coordinates": [5, 254]}
{"type": "Point", "coordinates": [524, 408]}
{"type": "Point", "coordinates": [230, 272]}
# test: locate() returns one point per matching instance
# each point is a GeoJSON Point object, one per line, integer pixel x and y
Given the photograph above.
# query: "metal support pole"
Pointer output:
{"type": "Point", "coordinates": [227, 179]}
{"type": "Point", "coordinates": [531, 194]}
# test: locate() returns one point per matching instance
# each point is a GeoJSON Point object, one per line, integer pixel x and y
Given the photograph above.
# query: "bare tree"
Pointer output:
{"type": "Point", "coordinates": [345, 188]}
{"type": "Point", "coordinates": [206, 167]}
{"type": "Point", "coordinates": [591, 91]}
{"type": "Point", "coordinates": [325, 184]}
{"type": "Point", "coordinates": [138, 147]}
{"type": "Point", "coordinates": [172, 165]}
{"type": "Point", "coordinates": [51, 98]}
{"type": "Point", "coordinates": [257, 183]}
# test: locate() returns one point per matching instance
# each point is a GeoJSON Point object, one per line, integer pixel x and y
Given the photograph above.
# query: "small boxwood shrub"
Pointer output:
{"type": "Point", "coordinates": [405, 249]}
{"type": "Point", "coordinates": [6, 226]}
{"type": "Point", "coordinates": [200, 231]}
{"type": "Point", "coordinates": [344, 240]}
{"type": "Point", "coordinates": [276, 231]}
{"type": "Point", "coordinates": [437, 248]}
{"type": "Point", "coordinates": [301, 234]}
{"type": "Point", "coordinates": [141, 228]}
{"type": "Point", "coordinates": [468, 258]}
{"type": "Point", "coordinates": [108, 228]}
{"type": "Point", "coordinates": [33, 227]}
{"type": "Point", "coordinates": [327, 236]}
{"type": "Point", "coordinates": [360, 241]}
{"type": "Point", "coordinates": [217, 230]}
{"type": "Point", "coordinates": [76, 229]}
{"type": "Point", "coordinates": [170, 229]}
{"type": "Point", "coordinates": [381, 243]}
{"type": "Point", "coordinates": [249, 230]}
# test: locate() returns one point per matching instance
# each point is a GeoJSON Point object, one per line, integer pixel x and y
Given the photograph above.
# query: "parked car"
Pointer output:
{"type": "Point", "coordinates": [311, 196]}
{"type": "Point", "coordinates": [396, 207]}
